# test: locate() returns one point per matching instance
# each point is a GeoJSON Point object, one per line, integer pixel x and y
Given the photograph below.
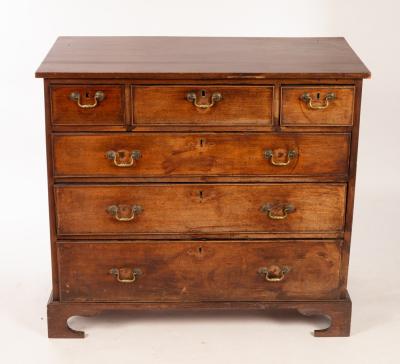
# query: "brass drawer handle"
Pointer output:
{"type": "Point", "coordinates": [133, 273]}
{"type": "Point", "coordinates": [269, 154]}
{"type": "Point", "coordinates": [115, 211]}
{"type": "Point", "coordinates": [269, 210]}
{"type": "Point", "coordinates": [317, 105]}
{"type": "Point", "coordinates": [192, 97]}
{"type": "Point", "coordinates": [117, 156]}
{"type": "Point", "coordinates": [98, 96]}
{"type": "Point", "coordinates": [274, 273]}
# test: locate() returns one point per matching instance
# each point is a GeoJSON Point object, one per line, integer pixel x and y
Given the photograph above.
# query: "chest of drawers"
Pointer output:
{"type": "Point", "coordinates": [201, 173]}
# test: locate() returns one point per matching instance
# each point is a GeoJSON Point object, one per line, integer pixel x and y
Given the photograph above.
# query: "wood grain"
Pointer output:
{"type": "Point", "coordinates": [199, 271]}
{"type": "Point", "coordinates": [65, 111]}
{"type": "Point", "coordinates": [240, 105]}
{"type": "Point", "coordinates": [296, 112]}
{"type": "Point", "coordinates": [199, 208]}
{"type": "Point", "coordinates": [202, 177]}
{"type": "Point", "coordinates": [201, 154]}
{"type": "Point", "coordinates": [201, 57]}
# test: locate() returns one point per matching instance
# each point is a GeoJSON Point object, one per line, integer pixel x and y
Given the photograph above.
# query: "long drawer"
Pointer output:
{"type": "Point", "coordinates": [199, 271]}
{"type": "Point", "coordinates": [205, 154]}
{"type": "Point", "coordinates": [199, 208]}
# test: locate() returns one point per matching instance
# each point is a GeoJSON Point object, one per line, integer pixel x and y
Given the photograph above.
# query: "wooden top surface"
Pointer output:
{"type": "Point", "coordinates": [201, 57]}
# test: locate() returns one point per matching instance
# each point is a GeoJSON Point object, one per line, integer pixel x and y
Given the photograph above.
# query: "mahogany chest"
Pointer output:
{"type": "Point", "coordinates": [201, 173]}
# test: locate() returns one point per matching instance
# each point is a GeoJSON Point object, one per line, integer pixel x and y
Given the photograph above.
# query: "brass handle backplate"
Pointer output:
{"type": "Point", "coordinates": [274, 273]}
{"type": "Point", "coordinates": [131, 273]}
{"type": "Point", "coordinates": [317, 104]}
{"type": "Point", "coordinates": [76, 96]}
{"type": "Point", "coordinates": [270, 209]}
{"type": "Point", "coordinates": [269, 154]}
{"type": "Point", "coordinates": [192, 97]}
{"type": "Point", "coordinates": [118, 157]}
{"type": "Point", "coordinates": [118, 211]}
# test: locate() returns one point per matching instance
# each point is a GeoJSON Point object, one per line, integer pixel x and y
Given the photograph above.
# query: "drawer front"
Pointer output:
{"type": "Point", "coordinates": [199, 208]}
{"type": "Point", "coordinates": [202, 105]}
{"type": "Point", "coordinates": [163, 155]}
{"type": "Point", "coordinates": [87, 105]}
{"type": "Point", "coordinates": [317, 106]}
{"type": "Point", "coordinates": [199, 271]}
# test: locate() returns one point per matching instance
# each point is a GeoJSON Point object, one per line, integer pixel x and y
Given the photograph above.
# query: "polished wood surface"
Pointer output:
{"type": "Point", "coordinates": [240, 105]}
{"type": "Point", "coordinates": [251, 171]}
{"type": "Point", "coordinates": [65, 111]}
{"type": "Point", "coordinates": [201, 57]}
{"type": "Point", "coordinates": [297, 112]}
{"type": "Point", "coordinates": [201, 154]}
{"type": "Point", "coordinates": [199, 271]}
{"type": "Point", "coordinates": [200, 208]}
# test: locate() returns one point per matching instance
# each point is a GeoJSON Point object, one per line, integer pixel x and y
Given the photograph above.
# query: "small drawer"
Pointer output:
{"type": "Point", "coordinates": [202, 105]}
{"type": "Point", "coordinates": [87, 105]}
{"type": "Point", "coordinates": [186, 209]}
{"type": "Point", "coordinates": [173, 271]}
{"type": "Point", "coordinates": [317, 106]}
{"type": "Point", "coordinates": [163, 155]}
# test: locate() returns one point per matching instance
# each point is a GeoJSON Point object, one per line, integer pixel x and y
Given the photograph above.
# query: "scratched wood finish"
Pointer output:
{"type": "Point", "coordinates": [201, 154]}
{"type": "Point", "coordinates": [239, 105]}
{"type": "Point", "coordinates": [65, 111]}
{"type": "Point", "coordinates": [296, 111]}
{"type": "Point", "coordinates": [177, 208]}
{"type": "Point", "coordinates": [199, 271]}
